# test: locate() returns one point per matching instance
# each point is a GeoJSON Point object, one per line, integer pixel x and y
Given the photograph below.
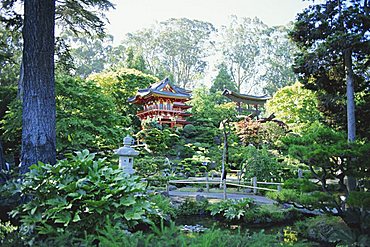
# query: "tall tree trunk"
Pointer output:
{"type": "Point", "coordinates": [20, 83]}
{"type": "Point", "coordinates": [351, 119]}
{"type": "Point", "coordinates": [225, 153]}
{"type": "Point", "coordinates": [38, 132]}
{"type": "Point", "coordinates": [2, 163]}
{"type": "Point", "coordinates": [239, 80]}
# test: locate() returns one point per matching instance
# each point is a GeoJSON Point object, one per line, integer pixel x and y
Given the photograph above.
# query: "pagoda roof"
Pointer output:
{"type": "Point", "coordinates": [162, 88]}
{"type": "Point", "coordinates": [245, 98]}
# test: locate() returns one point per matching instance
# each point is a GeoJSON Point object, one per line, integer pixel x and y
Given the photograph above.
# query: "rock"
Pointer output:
{"type": "Point", "coordinates": [247, 190]}
{"type": "Point", "coordinates": [164, 193]}
{"type": "Point", "coordinates": [196, 228]}
{"type": "Point", "coordinates": [172, 187]}
{"type": "Point", "coordinates": [200, 198]}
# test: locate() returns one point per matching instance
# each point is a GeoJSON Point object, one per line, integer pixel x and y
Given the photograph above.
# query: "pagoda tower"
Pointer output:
{"type": "Point", "coordinates": [163, 102]}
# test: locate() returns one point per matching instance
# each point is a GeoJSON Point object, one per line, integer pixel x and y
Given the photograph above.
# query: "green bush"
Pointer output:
{"type": "Point", "coordinates": [313, 200]}
{"type": "Point", "coordinates": [331, 229]}
{"type": "Point", "coordinates": [189, 131]}
{"type": "Point", "coordinates": [150, 166]}
{"type": "Point", "coordinates": [171, 236]}
{"type": "Point", "coordinates": [112, 236]}
{"type": "Point", "coordinates": [270, 214]}
{"type": "Point", "coordinates": [300, 184]}
{"type": "Point", "coordinates": [192, 207]}
{"type": "Point", "coordinates": [165, 205]}
{"type": "Point", "coordinates": [285, 195]}
{"type": "Point", "coordinates": [5, 229]}
{"type": "Point", "coordinates": [79, 195]}
{"type": "Point", "coordinates": [261, 163]}
{"type": "Point", "coordinates": [359, 199]}
{"type": "Point", "coordinates": [86, 118]}
{"type": "Point", "coordinates": [9, 198]}
{"type": "Point", "coordinates": [231, 209]}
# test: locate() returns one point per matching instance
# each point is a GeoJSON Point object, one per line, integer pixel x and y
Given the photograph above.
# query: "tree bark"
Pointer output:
{"type": "Point", "coordinates": [39, 113]}
{"type": "Point", "coordinates": [2, 163]}
{"type": "Point", "coordinates": [351, 118]}
{"type": "Point", "coordinates": [20, 83]}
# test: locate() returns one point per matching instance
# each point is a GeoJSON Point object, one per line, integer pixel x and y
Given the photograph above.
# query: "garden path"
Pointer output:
{"type": "Point", "coordinates": [215, 195]}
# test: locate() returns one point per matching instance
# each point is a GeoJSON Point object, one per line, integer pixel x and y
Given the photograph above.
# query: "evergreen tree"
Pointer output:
{"type": "Point", "coordinates": [334, 60]}
{"type": "Point", "coordinates": [39, 113]}
{"type": "Point", "coordinates": [223, 80]}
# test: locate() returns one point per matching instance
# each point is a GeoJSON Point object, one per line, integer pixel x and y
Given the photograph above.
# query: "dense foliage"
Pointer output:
{"type": "Point", "coordinates": [86, 118]}
{"type": "Point", "coordinates": [231, 209]}
{"type": "Point", "coordinates": [329, 156]}
{"type": "Point", "coordinates": [295, 106]}
{"type": "Point", "coordinates": [333, 47]}
{"type": "Point", "coordinates": [82, 193]}
{"type": "Point", "coordinates": [330, 230]}
{"type": "Point", "coordinates": [85, 201]}
{"type": "Point", "coordinates": [122, 84]}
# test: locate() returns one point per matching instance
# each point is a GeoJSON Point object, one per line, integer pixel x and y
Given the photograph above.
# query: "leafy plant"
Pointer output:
{"type": "Point", "coordinates": [312, 200]}
{"type": "Point", "coordinates": [261, 163]}
{"type": "Point", "coordinates": [165, 205]}
{"type": "Point", "coordinates": [157, 140]}
{"type": "Point", "coordinates": [166, 236]}
{"type": "Point", "coordinates": [331, 229]}
{"type": "Point", "coordinates": [295, 106]}
{"type": "Point", "coordinates": [192, 207]}
{"type": "Point", "coordinates": [9, 235]}
{"type": "Point", "coordinates": [82, 193]}
{"type": "Point", "coordinates": [300, 184]}
{"type": "Point", "coordinates": [86, 118]}
{"type": "Point", "coordinates": [265, 214]}
{"type": "Point", "coordinates": [231, 209]}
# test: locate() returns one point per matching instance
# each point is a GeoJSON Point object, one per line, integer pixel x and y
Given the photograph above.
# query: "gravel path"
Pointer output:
{"type": "Point", "coordinates": [257, 199]}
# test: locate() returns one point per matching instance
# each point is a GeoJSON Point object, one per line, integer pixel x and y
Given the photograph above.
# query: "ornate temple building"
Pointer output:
{"type": "Point", "coordinates": [247, 104]}
{"type": "Point", "coordinates": [163, 102]}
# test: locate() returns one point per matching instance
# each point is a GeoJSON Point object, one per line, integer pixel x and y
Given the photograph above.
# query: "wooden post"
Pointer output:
{"type": "Point", "coordinates": [279, 187]}
{"type": "Point", "coordinates": [168, 188]}
{"type": "Point", "coordinates": [207, 184]}
{"type": "Point", "coordinates": [254, 185]}
{"type": "Point", "coordinates": [225, 195]}
{"type": "Point", "coordinates": [300, 173]}
{"type": "Point", "coordinates": [239, 178]}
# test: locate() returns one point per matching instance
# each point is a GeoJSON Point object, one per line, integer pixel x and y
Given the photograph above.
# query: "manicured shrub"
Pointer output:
{"type": "Point", "coordinates": [312, 200]}
{"type": "Point", "coordinates": [300, 184]}
{"type": "Point", "coordinates": [331, 229]}
{"type": "Point", "coordinates": [270, 214]}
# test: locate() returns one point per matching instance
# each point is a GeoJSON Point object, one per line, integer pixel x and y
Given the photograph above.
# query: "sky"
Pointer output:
{"type": "Point", "coordinates": [132, 15]}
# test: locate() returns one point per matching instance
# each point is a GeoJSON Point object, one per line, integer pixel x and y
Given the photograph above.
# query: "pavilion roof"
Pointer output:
{"type": "Point", "coordinates": [163, 88]}
{"type": "Point", "coordinates": [245, 98]}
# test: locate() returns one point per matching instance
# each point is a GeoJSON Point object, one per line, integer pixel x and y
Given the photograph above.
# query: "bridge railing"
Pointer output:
{"type": "Point", "coordinates": [226, 182]}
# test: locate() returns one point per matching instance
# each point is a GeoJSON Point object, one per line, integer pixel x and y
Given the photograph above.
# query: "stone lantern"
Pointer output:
{"type": "Point", "coordinates": [126, 155]}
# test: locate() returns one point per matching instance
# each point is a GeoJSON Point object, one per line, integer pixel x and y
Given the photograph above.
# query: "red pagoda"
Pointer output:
{"type": "Point", "coordinates": [164, 103]}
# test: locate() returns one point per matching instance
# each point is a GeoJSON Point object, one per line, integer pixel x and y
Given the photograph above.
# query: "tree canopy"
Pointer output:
{"type": "Point", "coordinates": [334, 52]}
{"type": "Point", "coordinates": [295, 106]}
{"type": "Point", "coordinates": [176, 48]}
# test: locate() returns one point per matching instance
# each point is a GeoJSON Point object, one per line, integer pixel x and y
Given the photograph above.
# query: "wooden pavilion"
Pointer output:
{"type": "Point", "coordinates": [163, 102]}
{"type": "Point", "coordinates": [246, 104]}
